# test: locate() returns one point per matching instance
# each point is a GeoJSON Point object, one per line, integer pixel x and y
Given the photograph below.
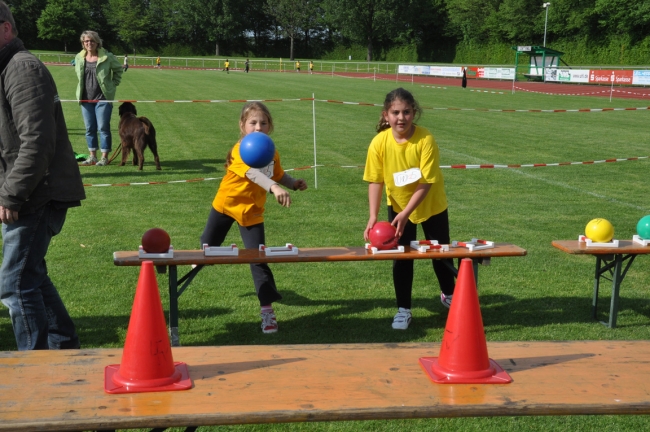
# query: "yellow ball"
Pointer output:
{"type": "Point", "coordinates": [599, 230]}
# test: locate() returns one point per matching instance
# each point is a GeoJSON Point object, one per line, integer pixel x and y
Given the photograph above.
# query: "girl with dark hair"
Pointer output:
{"type": "Point", "coordinates": [404, 157]}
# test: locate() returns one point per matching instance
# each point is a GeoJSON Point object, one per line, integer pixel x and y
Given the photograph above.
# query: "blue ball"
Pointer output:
{"type": "Point", "coordinates": [643, 227]}
{"type": "Point", "coordinates": [257, 149]}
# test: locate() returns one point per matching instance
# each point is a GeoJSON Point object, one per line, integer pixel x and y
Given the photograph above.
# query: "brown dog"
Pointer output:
{"type": "Point", "coordinates": [136, 133]}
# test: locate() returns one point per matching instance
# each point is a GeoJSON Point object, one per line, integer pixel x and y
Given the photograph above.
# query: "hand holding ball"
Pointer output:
{"type": "Point", "coordinates": [257, 149]}
{"type": "Point", "coordinates": [156, 240]}
{"type": "Point", "coordinates": [599, 230]}
{"type": "Point", "coordinates": [382, 236]}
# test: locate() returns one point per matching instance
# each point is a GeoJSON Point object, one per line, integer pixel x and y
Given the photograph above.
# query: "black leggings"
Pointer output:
{"type": "Point", "coordinates": [214, 234]}
{"type": "Point", "coordinates": [435, 228]}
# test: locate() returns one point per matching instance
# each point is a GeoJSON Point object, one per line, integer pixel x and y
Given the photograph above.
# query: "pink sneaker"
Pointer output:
{"type": "Point", "coordinates": [446, 300]}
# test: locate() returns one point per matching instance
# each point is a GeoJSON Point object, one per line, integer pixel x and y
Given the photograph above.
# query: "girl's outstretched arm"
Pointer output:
{"type": "Point", "coordinates": [374, 201]}
{"type": "Point", "coordinates": [281, 195]}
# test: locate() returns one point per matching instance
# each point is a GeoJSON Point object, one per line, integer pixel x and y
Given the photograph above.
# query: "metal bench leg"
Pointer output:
{"type": "Point", "coordinates": [594, 305]}
{"type": "Point", "coordinates": [616, 286]}
{"type": "Point", "coordinates": [173, 306]}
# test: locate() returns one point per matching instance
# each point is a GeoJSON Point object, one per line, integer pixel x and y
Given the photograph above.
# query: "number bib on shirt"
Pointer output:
{"type": "Point", "coordinates": [407, 177]}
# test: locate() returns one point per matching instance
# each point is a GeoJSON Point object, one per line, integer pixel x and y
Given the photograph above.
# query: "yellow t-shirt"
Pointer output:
{"type": "Point", "coordinates": [418, 156]}
{"type": "Point", "coordinates": [227, 64]}
{"type": "Point", "coordinates": [240, 198]}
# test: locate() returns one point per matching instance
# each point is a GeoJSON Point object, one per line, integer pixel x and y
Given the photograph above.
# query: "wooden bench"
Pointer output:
{"type": "Point", "coordinates": [610, 265]}
{"type": "Point", "coordinates": [63, 390]}
{"type": "Point", "coordinates": [530, 77]}
{"type": "Point", "coordinates": [334, 254]}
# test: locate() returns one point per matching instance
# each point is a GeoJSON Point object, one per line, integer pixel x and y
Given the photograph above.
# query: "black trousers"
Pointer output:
{"type": "Point", "coordinates": [435, 228]}
{"type": "Point", "coordinates": [214, 234]}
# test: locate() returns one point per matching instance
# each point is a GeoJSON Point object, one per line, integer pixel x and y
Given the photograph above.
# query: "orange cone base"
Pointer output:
{"type": "Point", "coordinates": [114, 383]}
{"type": "Point", "coordinates": [492, 375]}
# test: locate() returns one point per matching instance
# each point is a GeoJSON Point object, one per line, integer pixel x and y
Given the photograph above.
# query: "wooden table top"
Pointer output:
{"type": "Point", "coordinates": [63, 390]}
{"type": "Point", "coordinates": [625, 247]}
{"type": "Point", "coordinates": [188, 257]}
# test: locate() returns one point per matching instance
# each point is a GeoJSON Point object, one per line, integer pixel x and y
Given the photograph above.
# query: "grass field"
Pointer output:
{"type": "Point", "coordinates": [543, 296]}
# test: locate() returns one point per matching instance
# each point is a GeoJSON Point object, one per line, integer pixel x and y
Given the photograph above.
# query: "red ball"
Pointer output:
{"type": "Point", "coordinates": [156, 240]}
{"type": "Point", "coordinates": [382, 236]}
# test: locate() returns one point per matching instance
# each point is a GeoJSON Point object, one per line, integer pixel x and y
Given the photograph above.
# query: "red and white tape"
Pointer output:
{"type": "Point", "coordinates": [583, 110]}
{"type": "Point", "coordinates": [463, 166]}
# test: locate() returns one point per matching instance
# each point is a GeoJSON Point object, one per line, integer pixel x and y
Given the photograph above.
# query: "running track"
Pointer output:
{"type": "Point", "coordinates": [557, 89]}
{"type": "Point", "coordinates": [621, 92]}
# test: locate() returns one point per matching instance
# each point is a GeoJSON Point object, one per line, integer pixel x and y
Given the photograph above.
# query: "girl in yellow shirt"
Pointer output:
{"type": "Point", "coordinates": [241, 198]}
{"type": "Point", "coordinates": [405, 159]}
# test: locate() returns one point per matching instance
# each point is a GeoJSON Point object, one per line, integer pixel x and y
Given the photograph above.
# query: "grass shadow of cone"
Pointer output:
{"type": "Point", "coordinates": [463, 355]}
{"type": "Point", "coordinates": [147, 362]}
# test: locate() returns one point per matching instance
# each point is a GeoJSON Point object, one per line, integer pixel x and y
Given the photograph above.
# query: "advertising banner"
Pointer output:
{"type": "Point", "coordinates": [641, 77]}
{"type": "Point", "coordinates": [445, 71]}
{"type": "Point", "coordinates": [567, 75]}
{"type": "Point", "coordinates": [602, 76]}
{"type": "Point", "coordinates": [499, 73]}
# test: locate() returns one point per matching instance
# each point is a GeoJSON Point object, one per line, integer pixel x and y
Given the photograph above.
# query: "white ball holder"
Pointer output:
{"type": "Point", "coordinates": [590, 243]}
{"type": "Point", "coordinates": [474, 244]}
{"type": "Point", "coordinates": [424, 246]}
{"type": "Point", "coordinates": [147, 255]}
{"type": "Point", "coordinates": [639, 240]}
{"type": "Point", "coordinates": [231, 250]}
{"type": "Point", "coordinates": [288, 249]}
{"type": "Point", "coordinates": [375, 251]}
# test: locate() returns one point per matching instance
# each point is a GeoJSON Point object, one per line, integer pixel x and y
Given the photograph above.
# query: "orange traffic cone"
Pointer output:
{"type": "Point", "coordinates": [463, 355]}
{"type": "Point", "coordinates": [147, 363]}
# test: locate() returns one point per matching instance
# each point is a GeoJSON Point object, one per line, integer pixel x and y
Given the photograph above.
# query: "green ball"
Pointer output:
{"type": "Point", "coordinates": [643, 227]}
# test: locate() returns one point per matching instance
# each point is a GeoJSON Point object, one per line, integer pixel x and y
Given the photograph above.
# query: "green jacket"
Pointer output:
{"type": "Point", "coordinates": [109, 72]}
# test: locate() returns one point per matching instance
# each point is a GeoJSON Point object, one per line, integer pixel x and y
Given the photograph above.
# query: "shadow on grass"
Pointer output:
{"type": "Point", "coordinates": [338, 321]}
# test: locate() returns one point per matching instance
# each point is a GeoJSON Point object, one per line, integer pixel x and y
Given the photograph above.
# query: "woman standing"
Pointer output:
{"type": "Point", "coordinates": [99, 73]}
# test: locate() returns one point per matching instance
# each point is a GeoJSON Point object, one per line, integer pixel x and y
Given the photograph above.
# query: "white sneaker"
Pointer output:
{"type": "Point", "coordinates": [90, 161]}
{"type": "Point", "coordinates": [402, 319]}
{"type": "Point", "coordinates": [446, 300]}
{"type": "Point", "coordinates": [269, 323]}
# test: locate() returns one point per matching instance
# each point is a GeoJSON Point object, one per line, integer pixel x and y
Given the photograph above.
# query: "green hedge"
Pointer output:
{"type": "Point", "coordinates": [402, 53]}
{"type": "Point", "coordinates": [620, 51]}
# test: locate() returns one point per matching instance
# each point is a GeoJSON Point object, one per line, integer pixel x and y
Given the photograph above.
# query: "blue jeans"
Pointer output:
{"type": "Point", "coordinates": [39, 317]}
{"type": "Point", "coordinates": [98, 116]}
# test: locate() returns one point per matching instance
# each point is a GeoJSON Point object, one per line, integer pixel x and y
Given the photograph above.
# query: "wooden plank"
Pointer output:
{"type": "Point", "coordinates": [63, 390]}
{"type": "Point", "coordinates": [188, 257]}
{"type": "Point", "coordinates": [625, 247]}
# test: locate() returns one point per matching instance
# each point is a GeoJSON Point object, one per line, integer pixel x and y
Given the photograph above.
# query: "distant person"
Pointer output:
{"type": "Point", "coordinates": [464, 80]}
{"type": "Point", "coordinates": [158, 62]}
{"type": "Point", "coordinates": [415, 199]}
{"type": "Point", "coordinates": [99, 73]}
{"type": "Point", "coordinates": [125, 66]}
{"type": "Point", "coordinates": [241, 198]}
{"type": "Point", "coordinates": [39, 182]}
{"type": "Point", "coordinates": [247, 65]}
{"type": "Point", "coordinates": [226, 66]}
{"type": "Point", "coordinates": [297, 66]}
{"type": "Point", "coordinates": [311, 67]}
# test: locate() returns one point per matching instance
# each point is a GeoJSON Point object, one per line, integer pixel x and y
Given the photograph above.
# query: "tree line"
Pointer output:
{"type": "Point", "coordinates": [399, 30]}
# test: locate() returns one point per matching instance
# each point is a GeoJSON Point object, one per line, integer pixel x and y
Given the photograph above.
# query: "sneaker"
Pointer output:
{"type": "Point", "coordinates": [402, 319]}
{"type": "Point", "coordinates": [91, 160]}
{"type": "Point", "coordinates": [269, 323]}
{"type": "Point", "coordinates": [102, 162]}
{"type": "Point", "coordinates": [446, 300]}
